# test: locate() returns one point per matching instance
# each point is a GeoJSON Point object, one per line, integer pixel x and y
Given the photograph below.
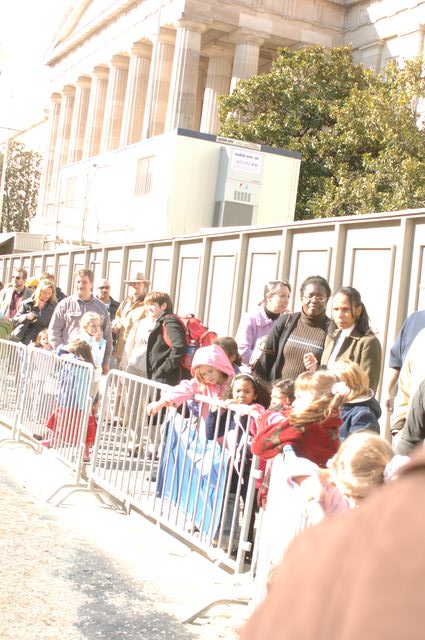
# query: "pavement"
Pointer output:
{"type": "Point", "coordinates": [83, 571]}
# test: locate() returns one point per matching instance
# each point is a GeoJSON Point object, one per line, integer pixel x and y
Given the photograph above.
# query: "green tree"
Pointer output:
{"type": "Point", "coordinates": [21, 187]}
{"type": "Point", "coordinates": [362, 149]}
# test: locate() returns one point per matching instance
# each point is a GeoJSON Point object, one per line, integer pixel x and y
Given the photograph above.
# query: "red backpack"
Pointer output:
{"type": "Point", "coordinates": [197, 335]}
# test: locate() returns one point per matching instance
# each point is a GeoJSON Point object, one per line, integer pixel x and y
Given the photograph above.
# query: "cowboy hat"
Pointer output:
{"type": "Point", "coordinates": [139, 277]}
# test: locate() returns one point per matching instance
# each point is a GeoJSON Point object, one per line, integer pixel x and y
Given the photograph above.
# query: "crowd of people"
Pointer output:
{"type": "Point", "coordinates": [299, 379]}
{"type": "Point", "coordinates": [142, 336]}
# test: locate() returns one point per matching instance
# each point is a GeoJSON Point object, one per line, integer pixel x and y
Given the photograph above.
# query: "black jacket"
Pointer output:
{"type": "Point", "coordinates": [41, 322]}
{"type": "Point", "coordinates": [60, 295]}
{"type": "Point", "coordinates": [113, 306]}
{"type": "Point", "coordinates": [162, 361]}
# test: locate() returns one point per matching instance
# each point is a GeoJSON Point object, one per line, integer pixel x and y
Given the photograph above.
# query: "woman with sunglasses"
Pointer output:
{"type": "Point", "coordinates": [299, 336]}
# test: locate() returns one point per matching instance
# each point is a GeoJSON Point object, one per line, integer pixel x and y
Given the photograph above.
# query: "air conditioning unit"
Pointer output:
{"type": "Point", "coordinates": [238, 185]}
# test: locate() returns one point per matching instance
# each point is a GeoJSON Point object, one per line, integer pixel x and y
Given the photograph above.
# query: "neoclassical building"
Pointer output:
{"type": "Point", "coordinates": [126, 73]}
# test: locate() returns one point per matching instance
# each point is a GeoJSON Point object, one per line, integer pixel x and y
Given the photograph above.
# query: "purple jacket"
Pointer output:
{"type": "Point", "coordinates": [251, 327]}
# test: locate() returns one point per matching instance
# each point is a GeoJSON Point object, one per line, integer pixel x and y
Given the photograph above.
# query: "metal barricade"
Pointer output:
{"type": "Point", "coordinates": [56, 410]}
{"type": "Point", "coordinates": [13, 357]}
{"type": "Point", "coordinates": [288, 512]}
{"type": "Point", "coordinates": [201, 490]}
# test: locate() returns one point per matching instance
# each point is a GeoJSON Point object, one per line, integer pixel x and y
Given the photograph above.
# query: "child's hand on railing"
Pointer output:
{"type": "Point", "coordinates": [155, 407]}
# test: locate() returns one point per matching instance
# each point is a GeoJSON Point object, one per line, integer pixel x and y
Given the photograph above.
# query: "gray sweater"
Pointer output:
{"type": "Point", "coordinates": [65, 323]}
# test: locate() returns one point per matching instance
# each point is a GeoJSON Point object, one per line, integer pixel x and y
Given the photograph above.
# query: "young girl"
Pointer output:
{"type": "Point", "coordinates": [311, 426]}
{"type": "Point", "coordinates": [212, 372]}
{"type": "Point", "coordinates": [230, 346]}
{"type": "Point", "coordinates": [189, 466]}
{"type": "Point", "coordinates": [282, 397]}
{"type": "Point", "coordinates": [42, 341]}
{"type": "Point", "coordinates": [235, 431]}
{"type": "Point", "coordinates": [91, 333]}
{"type": "Point", "coordinates": [363, 462]}
{"type": "Point", "coordinates": [360, 410]}
{"type": "Point", "coordinates": [282, 394]}
{"type": "Point", "coordinates": [65, 421]}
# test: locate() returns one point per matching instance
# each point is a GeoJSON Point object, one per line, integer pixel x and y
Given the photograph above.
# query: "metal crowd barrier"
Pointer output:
{"type": "Point", "coordinates": [13, 357]}
{"type": "Point", "coordinates": [202, 490]}
{"type": "Point", "coordinates": [47, 401]}
{"type": "Point", "coordinates": [286, 515]}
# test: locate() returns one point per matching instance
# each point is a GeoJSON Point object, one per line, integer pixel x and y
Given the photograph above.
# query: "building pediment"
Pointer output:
{"type": "Point", "coordinates": [82, 19]}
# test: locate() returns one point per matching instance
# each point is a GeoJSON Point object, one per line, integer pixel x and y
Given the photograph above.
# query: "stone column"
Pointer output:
{"type": "Point", "coordinates": [79, 119]}
{"type": "Point", "coordinates": [114, 105]}
{"type": "Point", "coordinates": [50, 156]}
{"type": "Point", "coordinates": [64, 127]}
{"type": "Point", "coordinates": [218, 84]}
{"type": "Point", "coordinates": [202, 81]}
{"type": "Point", "coordinates": [184, 77]}
{"type": "Point", "coordinates": [135, 96]}
{"type": "Point", "coordinates": [96, 111]}
{"type": "Point", "coordinates": [62, 140]}
{"type": "Point", "coordinates": [159, 84]}
{"type": "Point", "coordinates": [247, 52]}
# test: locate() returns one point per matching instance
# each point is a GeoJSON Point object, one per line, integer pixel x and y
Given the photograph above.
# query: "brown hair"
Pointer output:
{"type": "Point", "coordinates": [46, 275]}
{"type": "Point", "coordinates": [354, 377]}
{"type": "Point", "coordinates": [85, 273]}
{"type": "Point", "coordinates": [22, 271]}
{"type": "Point", "coordinates": [159, 297]}
{"type": "Point", "coordinates": [230, 347]}
{"type": "Point", "coordinates": [285, 387]}
{"type": "Point", "coordinates": [272, 286]}
{"type": "Point", "coordinates": [324, 402]}
{"type": "Point", "coordinates": [37, 341]}
{"type": "Point", "coordinates": [81, 348]}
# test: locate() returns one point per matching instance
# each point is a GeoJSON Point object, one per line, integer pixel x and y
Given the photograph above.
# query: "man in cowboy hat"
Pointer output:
{"type": "Point", "coordinates": [130, 310]}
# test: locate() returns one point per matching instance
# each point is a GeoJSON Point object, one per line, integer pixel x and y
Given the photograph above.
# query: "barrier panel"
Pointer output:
{"type": "Point", "coordinates": [289, 511]}
{"type": "Point", "coordinates": [13, 357]}
{"type": "Point", "coordinates": [57, 406]}
{"type": "Point", "coordinates": [201, 489]}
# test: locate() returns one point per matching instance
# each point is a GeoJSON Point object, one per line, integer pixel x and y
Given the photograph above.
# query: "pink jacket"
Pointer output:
{"type": "Point", "coordinates": [212, 356]}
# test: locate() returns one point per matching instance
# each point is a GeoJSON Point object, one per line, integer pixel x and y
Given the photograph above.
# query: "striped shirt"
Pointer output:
{"type": "Point", "coordinates": [305, 338]}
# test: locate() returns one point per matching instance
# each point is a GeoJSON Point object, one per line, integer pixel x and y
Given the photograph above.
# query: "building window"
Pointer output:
{"type": "Point", "coordinates": [144, 175]}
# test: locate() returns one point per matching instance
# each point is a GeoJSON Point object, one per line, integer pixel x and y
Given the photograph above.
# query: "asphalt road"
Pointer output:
{"type": "Point", "coordinates": [83, 572]}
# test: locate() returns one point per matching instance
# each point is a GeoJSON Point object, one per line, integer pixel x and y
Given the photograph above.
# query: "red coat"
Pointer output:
{"type": "Point", "coordinates": [317, 441]}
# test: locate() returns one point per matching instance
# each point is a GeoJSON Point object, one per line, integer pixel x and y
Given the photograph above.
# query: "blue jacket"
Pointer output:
{"type": "Point", "coordinates": [410, 329]}
{"type": "Point", "coordinates": [359, 415]}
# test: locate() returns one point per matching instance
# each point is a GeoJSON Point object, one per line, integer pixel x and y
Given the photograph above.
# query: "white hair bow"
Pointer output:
{"type": "Point", "coordinates": [341, 388]}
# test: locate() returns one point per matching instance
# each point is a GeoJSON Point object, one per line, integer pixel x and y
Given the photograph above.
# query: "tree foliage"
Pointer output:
{"type": "Point", "coordinates": [362, 150]}
{"type": "Point", "coordinates": [21, 187]}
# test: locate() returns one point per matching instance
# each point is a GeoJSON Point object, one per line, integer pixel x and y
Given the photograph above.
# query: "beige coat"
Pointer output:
{"type": "Point", "coordinates": [129, 311]}
{"type": "Point", "coordinates": [360, 575]}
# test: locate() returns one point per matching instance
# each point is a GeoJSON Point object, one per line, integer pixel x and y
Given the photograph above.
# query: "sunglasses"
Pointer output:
{"type": "Point", "coordinates": [104, 287]}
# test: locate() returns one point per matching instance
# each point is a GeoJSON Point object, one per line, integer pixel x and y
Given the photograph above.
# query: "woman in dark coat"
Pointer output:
{"type": "Point", "coordinates": [35, 313]}
{"type": "Point", "coordinates": [296, 336]}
